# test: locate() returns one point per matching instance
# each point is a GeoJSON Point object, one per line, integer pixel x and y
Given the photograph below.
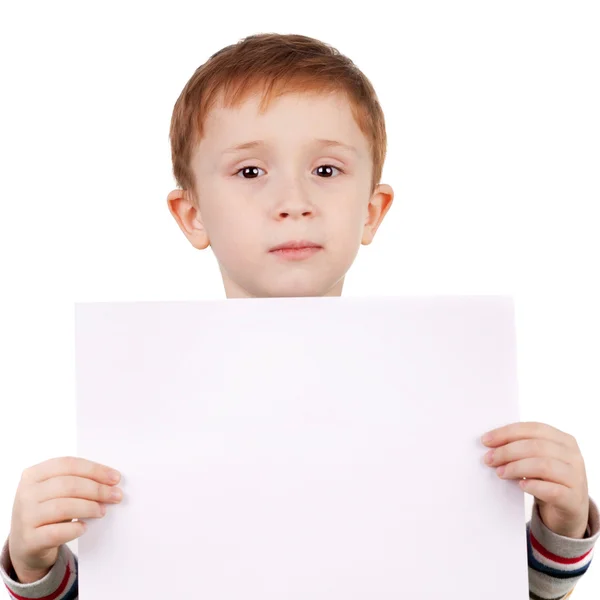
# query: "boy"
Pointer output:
{"type": "Point", "coordinates": [284, 186]}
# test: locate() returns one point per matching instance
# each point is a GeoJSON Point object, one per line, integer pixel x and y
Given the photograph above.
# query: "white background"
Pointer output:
{"type": "Point", "coordinates": [494, 155]}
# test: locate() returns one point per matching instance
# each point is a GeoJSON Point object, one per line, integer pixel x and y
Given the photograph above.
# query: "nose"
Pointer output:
{"type": "Point", "coordinates": [294, 204]}
{"type": "Point", "coordinates": [295, 212]}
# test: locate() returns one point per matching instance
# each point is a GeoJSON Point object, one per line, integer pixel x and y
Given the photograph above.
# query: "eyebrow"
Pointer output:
{"type": "Point", "coordinates": [322, 143]}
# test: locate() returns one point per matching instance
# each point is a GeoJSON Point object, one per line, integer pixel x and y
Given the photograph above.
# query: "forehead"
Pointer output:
{"type": "Point", "coordinates": [293, 117]}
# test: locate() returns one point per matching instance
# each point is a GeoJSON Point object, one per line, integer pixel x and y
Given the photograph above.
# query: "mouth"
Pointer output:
{"type": "Point", "coordinates": [296, 250]}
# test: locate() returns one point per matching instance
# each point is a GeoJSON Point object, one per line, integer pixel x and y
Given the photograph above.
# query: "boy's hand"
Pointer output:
{"type": "Point", "coordinates": [48, 497]}
{"type": "Point", "coordinates": [553, 468]}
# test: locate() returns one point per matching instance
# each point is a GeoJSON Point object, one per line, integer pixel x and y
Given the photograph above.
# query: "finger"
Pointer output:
{"type": "Point", "coordinates": [525, 430]}
{"type": "Point", "coordinates": [59, 510]}
{"type": "Point", "coordinates": [57, 534]}
{"type": "Point", "coordinates": [71, 465]}
{"type": "Point", "coordinates": [530, 448]}
{"type": "Point", "coordinates": [76, 487]}
{"type": "Point", "coordinates": [546, 491]}
{"type": "Point", "coordinates": [547, 469]}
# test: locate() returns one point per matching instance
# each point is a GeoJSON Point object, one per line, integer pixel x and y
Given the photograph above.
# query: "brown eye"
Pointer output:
{"type": "Point", "coordinates": [249, 172]}
{"type": "Point", "coordinates": [326, 170]}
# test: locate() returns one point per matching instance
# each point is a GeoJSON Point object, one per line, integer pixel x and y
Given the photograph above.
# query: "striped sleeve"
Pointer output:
{"type": "Point", "coordinates": [60, 583]}
{"type": "Point", "coordinates": [556, 563]}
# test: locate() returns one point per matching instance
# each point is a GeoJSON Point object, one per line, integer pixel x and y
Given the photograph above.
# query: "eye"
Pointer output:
{"type": "Point", "coordinates": [326, 170]}
{"type": "Point", "coordinates": [250, 172]}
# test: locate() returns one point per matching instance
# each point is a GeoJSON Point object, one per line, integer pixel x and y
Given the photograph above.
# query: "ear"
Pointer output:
{"type": "Point", "coordinates": [379, 204]}
{"type": "Point", "coordinates": [187, 215]}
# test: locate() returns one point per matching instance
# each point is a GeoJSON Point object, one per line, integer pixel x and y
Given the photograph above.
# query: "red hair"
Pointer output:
{"type": "Point", "coordinates": [278, 64]}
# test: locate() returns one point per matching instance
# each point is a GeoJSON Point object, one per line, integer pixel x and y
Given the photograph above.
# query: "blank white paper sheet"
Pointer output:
{"type": "Point", "coordinates": [300, 449]}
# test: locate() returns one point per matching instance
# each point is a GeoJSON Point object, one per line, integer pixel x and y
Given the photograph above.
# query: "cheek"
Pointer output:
{"type": "Point", "coordinates": [232, 231]}
{"type": "Point", "coordinates": [349, 223]}
{"type": "Point", "coordinates": [221, 216]}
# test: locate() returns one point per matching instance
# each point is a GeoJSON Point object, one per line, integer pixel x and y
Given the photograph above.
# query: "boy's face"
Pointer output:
{"type": "Point", "coordinates": [284, 210]}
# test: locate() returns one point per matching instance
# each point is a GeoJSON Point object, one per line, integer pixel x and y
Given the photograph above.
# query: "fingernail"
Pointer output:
{"type": "Point", "coordinates": [486, 438]}
{"type": "Point", "coordinates": [114, 476]}
{"type": "Point", "coordinates": [500, 471]}
{"type": "Point", "coordinates": [489, 457]}
{"type": "Point", "coordinates": [116, 494]}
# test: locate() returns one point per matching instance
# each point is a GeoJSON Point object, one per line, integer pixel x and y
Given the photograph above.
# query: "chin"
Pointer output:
{"type": "Point", "coordinates": [302, 289]}
{"type": "Point", "coordinates": [295, 293]}
{"type": "Point", "coordinates": [290, 285]}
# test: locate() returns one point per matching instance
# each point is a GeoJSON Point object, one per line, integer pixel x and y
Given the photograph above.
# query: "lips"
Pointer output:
{"type": "Point", "coordinates": [296, 250]}
{"type": "Point", "coordinates": [295, 245]}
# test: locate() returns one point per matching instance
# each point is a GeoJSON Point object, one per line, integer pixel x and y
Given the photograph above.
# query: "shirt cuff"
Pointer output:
{"type": "Point", "coordinates": [57, 583]}
{"type": "Point", "coordinates": [562, 553]}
